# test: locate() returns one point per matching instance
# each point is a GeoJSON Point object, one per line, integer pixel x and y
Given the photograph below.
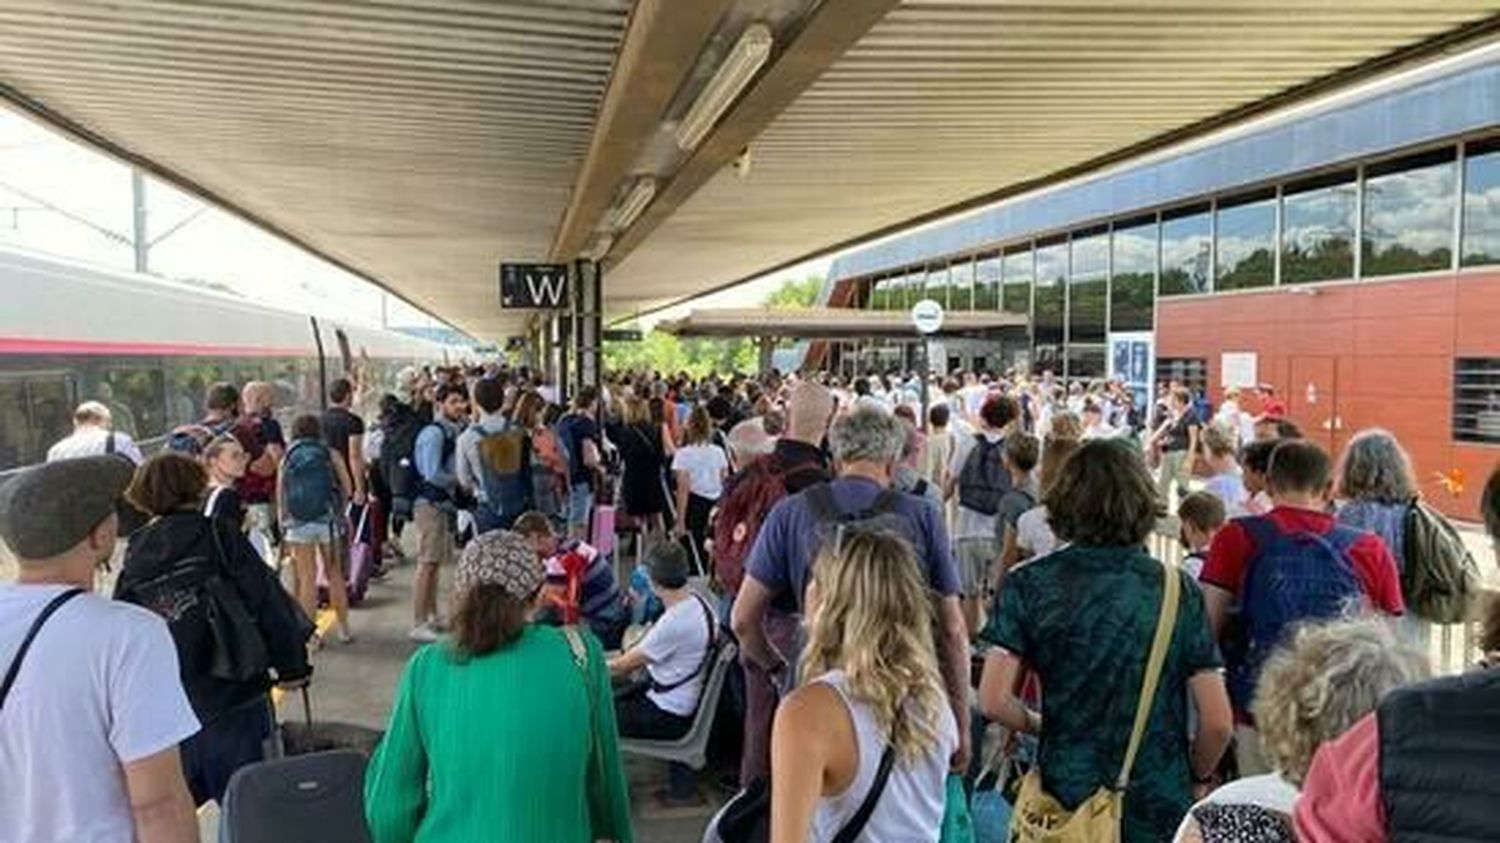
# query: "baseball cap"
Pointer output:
{"type": "Point", "coordinates": [49, 509]}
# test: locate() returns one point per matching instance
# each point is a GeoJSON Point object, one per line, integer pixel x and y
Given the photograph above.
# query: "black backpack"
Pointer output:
{"type": "Point", "coordinates": [398, 466]}
{"type": "Point", "coordinates": [984, 479]}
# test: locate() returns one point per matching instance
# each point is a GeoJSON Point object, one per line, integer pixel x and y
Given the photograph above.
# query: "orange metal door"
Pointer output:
{"type": "Point", "coordinates": [1313, 399]}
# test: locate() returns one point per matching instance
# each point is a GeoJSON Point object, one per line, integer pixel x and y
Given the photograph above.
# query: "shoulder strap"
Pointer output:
{"type": "Point", "coordinates": [1166, 622]}
{"type": "Point", "coordinates": [886, 502]}
{"type": "Point", "coordinates": [109, 443]}
{"type": "Point", "coordinates": [711, 650]}
{"type": "Point", "coordinates": [856, 825]}
{"type": "Point", "coordinates": [36, 626]}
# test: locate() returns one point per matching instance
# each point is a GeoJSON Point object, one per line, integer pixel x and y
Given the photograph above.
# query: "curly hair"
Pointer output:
{"type": "Point", "coordinates": [872, 617]}
{"type": "Point", "coordinates": [1103, 496]}
{"type": "Point", "coordinates": [1329, 676]}
{"type": "Point", "coordinates": [1375, 467]}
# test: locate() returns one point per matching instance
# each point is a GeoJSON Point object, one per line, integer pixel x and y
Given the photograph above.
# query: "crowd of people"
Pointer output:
{"type": "Point", "coordinates": [919, 594]}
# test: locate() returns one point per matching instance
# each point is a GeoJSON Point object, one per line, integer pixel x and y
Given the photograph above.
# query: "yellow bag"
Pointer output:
{"type": "Point", "coordinates": [1039, 818]}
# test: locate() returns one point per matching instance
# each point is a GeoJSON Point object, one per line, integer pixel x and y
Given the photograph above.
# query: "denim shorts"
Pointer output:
{"type": "Point", "coordinates": [311, 532]}
{"type": "Point", "coordinates": [580, 503]}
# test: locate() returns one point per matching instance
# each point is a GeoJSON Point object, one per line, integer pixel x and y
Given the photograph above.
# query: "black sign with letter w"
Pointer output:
{"type": "Point", "coordinates": [533, 286]}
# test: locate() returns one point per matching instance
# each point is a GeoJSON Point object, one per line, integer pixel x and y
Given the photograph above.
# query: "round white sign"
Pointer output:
{"type": "Point", "coordinates": [927, 315]}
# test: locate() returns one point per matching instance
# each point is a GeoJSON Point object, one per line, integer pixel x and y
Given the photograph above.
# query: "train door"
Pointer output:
{"type": "Point", "coordinates": [1312, 399]}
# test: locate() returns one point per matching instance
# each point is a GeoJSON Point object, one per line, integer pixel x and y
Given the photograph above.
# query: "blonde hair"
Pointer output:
{"type": "Point", "coordinates": [1331, 675]}
{"type": "Point", "coordinates": [1066, 425]}
{"type": "Point", "coordinates": [637, 411]}
{"type": "Point", "coordinates": [257, 396]}
{"type": "Point", "coordinates": [873, 620]}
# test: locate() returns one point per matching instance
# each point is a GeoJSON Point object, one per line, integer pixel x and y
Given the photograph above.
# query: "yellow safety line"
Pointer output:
{"type": "Point", "coordinates": [326, 620]}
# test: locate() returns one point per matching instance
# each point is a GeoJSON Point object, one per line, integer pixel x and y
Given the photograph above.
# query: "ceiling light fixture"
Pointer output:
{"type": "Point", "coordinates": [745, 60]}
{"type": "Point", "coordinates": [640, 195]}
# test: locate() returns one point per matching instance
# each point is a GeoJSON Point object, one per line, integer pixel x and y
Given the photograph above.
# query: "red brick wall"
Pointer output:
{"type": "Point", "coordinates": [1378, 353]}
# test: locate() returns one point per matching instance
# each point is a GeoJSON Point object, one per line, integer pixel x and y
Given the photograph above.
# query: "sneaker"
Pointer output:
{"type": "Point", "coordinates": [424, 633]}
{"type": "Point", "coordinates": [344, 635]}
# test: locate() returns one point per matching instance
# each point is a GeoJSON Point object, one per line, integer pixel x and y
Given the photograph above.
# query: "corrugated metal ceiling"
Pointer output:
{"type": "Point", "coordinates": [946, 100]}
{"type": "Point", "coordinates": [415, 141]}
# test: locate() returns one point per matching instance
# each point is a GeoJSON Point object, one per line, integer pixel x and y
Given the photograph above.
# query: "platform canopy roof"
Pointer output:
{"type": "Point", "coordinates": [420, 142]}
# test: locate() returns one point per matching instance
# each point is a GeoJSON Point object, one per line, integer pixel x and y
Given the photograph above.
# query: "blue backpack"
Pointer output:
{"type": "Point", "coordinates": [1291, 578]}
{"type": "Point", "coordinates": [505, 476]}
{"type": "Point", "coordinates": [310, 487]}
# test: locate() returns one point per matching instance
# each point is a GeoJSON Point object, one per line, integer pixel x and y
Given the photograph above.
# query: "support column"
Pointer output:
{"type": "Point", "coordinates": [588, 323]}
{"type": "Point", "coordinates": [139, 234]}
{"type": "Point", "coordinates": [557, 328]}
{"type": "Point", "coordinates": [767, 353]}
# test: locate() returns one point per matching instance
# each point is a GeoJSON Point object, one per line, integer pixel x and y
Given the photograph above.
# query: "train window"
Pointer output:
{"type": "Point", "coordinates": [52, 401]}
{"type": "Point", "coordinates": [16, 448]}
{"type": "Point", "coordinates": [136, 397]}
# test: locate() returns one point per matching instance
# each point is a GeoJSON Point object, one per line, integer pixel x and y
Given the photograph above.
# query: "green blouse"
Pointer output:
{"type": "Point", "coordinates": [502, 747]}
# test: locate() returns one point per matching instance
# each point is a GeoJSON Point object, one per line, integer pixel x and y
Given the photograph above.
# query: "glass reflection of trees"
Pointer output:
{"type": "Point", "coordinates": [1246, 244]}
{"type": "Point", "coordinates": [1133, 285]}
{"type": "Point", "coordinates": [1051, 291]}
{"type": "Point", "coordinates": [1481, 243]}
{"type": "Point", "coordinates": [1186, 251]}
{"type": "Point", "coordinates": [1317, 229]}
{"type": "Point", "coordinates": [1408, 225]}
{"type": "Point", "coordinates": [1016, 290]}
{"type": "Point", "coordinates": [987, 283]}
{"type": "Point", "coordinates": [961, 285]}
{"type": "Point", "coordinates": [1088, 286]}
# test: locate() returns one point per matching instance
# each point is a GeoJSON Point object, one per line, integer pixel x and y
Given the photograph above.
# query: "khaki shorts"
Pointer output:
{"type": "Point", "coordinates": [975, 557]}
{"type": "Point", "coordinates": [435, 538]}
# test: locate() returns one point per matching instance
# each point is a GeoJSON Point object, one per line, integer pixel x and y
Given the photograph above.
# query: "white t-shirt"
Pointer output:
{"type": "Point", "coordinates": [90, 441]}
{"type": "Point", "coordinates": [99, 689]}
{"type": "Point", "coordinates": [674, 647]}
{"type": "Point", "coordinates": [1034, 533]}
{"type": "Point", "coordinates": [1229, 488]}
{"type": "Point", "coordinates": [970, 524]}
{"type": "Point", "coordinates": [705, 465]}
{"type": "Point", "coordinates": [1269, 791]}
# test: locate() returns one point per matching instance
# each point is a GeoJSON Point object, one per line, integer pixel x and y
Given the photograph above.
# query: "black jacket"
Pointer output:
{"type": "Point", "coordinates": [1438, 744]}
{"type": "Point", "coordinates": [166, 542]}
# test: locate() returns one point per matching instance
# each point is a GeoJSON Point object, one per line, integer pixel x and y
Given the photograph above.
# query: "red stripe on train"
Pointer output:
{"type": "Point", "coordinates": [25, 345]}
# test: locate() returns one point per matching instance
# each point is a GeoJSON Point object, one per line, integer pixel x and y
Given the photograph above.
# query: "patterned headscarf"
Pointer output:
{"type": "Point", "coordinates": [503, 558]}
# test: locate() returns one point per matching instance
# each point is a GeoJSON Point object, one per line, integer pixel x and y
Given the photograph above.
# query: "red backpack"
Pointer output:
{"type": "Point", "coordinates": [751, 494]}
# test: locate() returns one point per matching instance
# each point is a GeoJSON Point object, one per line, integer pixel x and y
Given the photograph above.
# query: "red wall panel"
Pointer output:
{"type": "Point", "coordinates": [1391, 343]}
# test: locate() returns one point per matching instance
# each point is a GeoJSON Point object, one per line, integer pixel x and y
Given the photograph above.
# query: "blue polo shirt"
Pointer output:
{"type": "Point", "coordinates": [783, 554]}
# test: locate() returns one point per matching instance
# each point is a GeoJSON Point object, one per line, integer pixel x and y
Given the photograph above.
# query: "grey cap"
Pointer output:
{"type": "Point", "coordinates": [47, 510]}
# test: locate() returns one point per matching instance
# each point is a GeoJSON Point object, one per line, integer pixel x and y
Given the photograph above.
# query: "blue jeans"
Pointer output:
{"type": "Point", "coordinates": [580, 504]}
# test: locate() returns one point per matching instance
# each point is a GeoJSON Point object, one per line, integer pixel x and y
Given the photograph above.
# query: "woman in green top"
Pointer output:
{"type": "Point", "coordinates": [1083, 617]}
{"type": "Point", "coordinates": [506, 732]}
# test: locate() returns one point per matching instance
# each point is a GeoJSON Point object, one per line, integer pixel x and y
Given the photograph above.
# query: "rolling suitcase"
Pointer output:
{"type": "Point", "coordinates": [315, 798]}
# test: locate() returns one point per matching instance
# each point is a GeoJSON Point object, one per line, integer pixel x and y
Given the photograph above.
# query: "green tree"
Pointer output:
{"type": "Point", "coordinates": [793, 294]}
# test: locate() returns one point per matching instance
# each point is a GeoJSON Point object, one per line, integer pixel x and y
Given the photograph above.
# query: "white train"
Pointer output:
{"type": "Point", "coordinates": [148, 348]}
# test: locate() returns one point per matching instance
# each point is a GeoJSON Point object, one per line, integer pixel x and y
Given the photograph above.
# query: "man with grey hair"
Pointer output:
{"type": "Point", "coordinates": [748, 440]}
{"type": "Point", "coordinates": [867, 444]}
{"type": "Point", "coordinates": [92, 437]}
{"type": "Point", "coordinates": [92, 707]}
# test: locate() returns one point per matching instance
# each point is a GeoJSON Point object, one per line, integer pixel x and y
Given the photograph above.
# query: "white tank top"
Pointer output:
{"type": "Point", "coordinates": [911, 807]}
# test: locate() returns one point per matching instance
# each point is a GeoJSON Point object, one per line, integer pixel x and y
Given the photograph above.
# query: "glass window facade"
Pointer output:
{"type": "Point", "coordinates": [1317, 229]}
{"type": "Point", "coordinates": [1088, 286]}
{"type": "Point", "coordinates": [1016, 295]}
{"type": "Point", "coordinates": [1245, 237]}
{"type": "Point", "coordinates": [1079, 285]}
{"type": "Point", "coordinates": [1408, 220]}
{"type": "Point", "coordinates": [1132, 293]}
{"type": "Point", "coordinates": [1481, 236]}
{"type": "Point", "coordinates": [1186, 251]}
{"type": "Point", "coordinates": [987, 271]}
{"type": "Point", "coordinates": [1050, 299]}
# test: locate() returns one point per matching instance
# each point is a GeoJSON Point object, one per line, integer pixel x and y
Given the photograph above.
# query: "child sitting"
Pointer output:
{"type": "Point", "coordinates": [581, 582]}
{"type": "Point", "coordinates": [1201, 514]}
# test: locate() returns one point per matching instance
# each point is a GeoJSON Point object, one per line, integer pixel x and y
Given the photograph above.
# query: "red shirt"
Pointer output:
{"type": "Point", "coordinates": [1373, 564]}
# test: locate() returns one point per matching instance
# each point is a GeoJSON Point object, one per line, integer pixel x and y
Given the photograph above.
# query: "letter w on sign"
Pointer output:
{"type": "Point", "coordinates": [533, 286]}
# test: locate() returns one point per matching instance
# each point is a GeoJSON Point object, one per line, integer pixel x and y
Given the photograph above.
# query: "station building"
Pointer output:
{"type": "Point", "coordinates": [1346, 252]}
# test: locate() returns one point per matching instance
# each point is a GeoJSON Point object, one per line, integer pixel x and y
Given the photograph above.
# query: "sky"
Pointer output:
{"type": "Point", "coordinates": [61, 197]}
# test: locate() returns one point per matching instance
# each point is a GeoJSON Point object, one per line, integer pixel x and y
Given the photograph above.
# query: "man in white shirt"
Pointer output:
{"type": "Point", "coordinates": [94, 709]}
{"type": "Point", "coordinates": [978, 492]}
{"type": "Point", "coordinates": [92, 437]}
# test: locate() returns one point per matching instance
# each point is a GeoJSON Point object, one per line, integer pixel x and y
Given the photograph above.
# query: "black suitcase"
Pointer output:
{"type": "Point", "coordinates": [316, 798]}
{"type": "Point", "coordinates": [292, 739]}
